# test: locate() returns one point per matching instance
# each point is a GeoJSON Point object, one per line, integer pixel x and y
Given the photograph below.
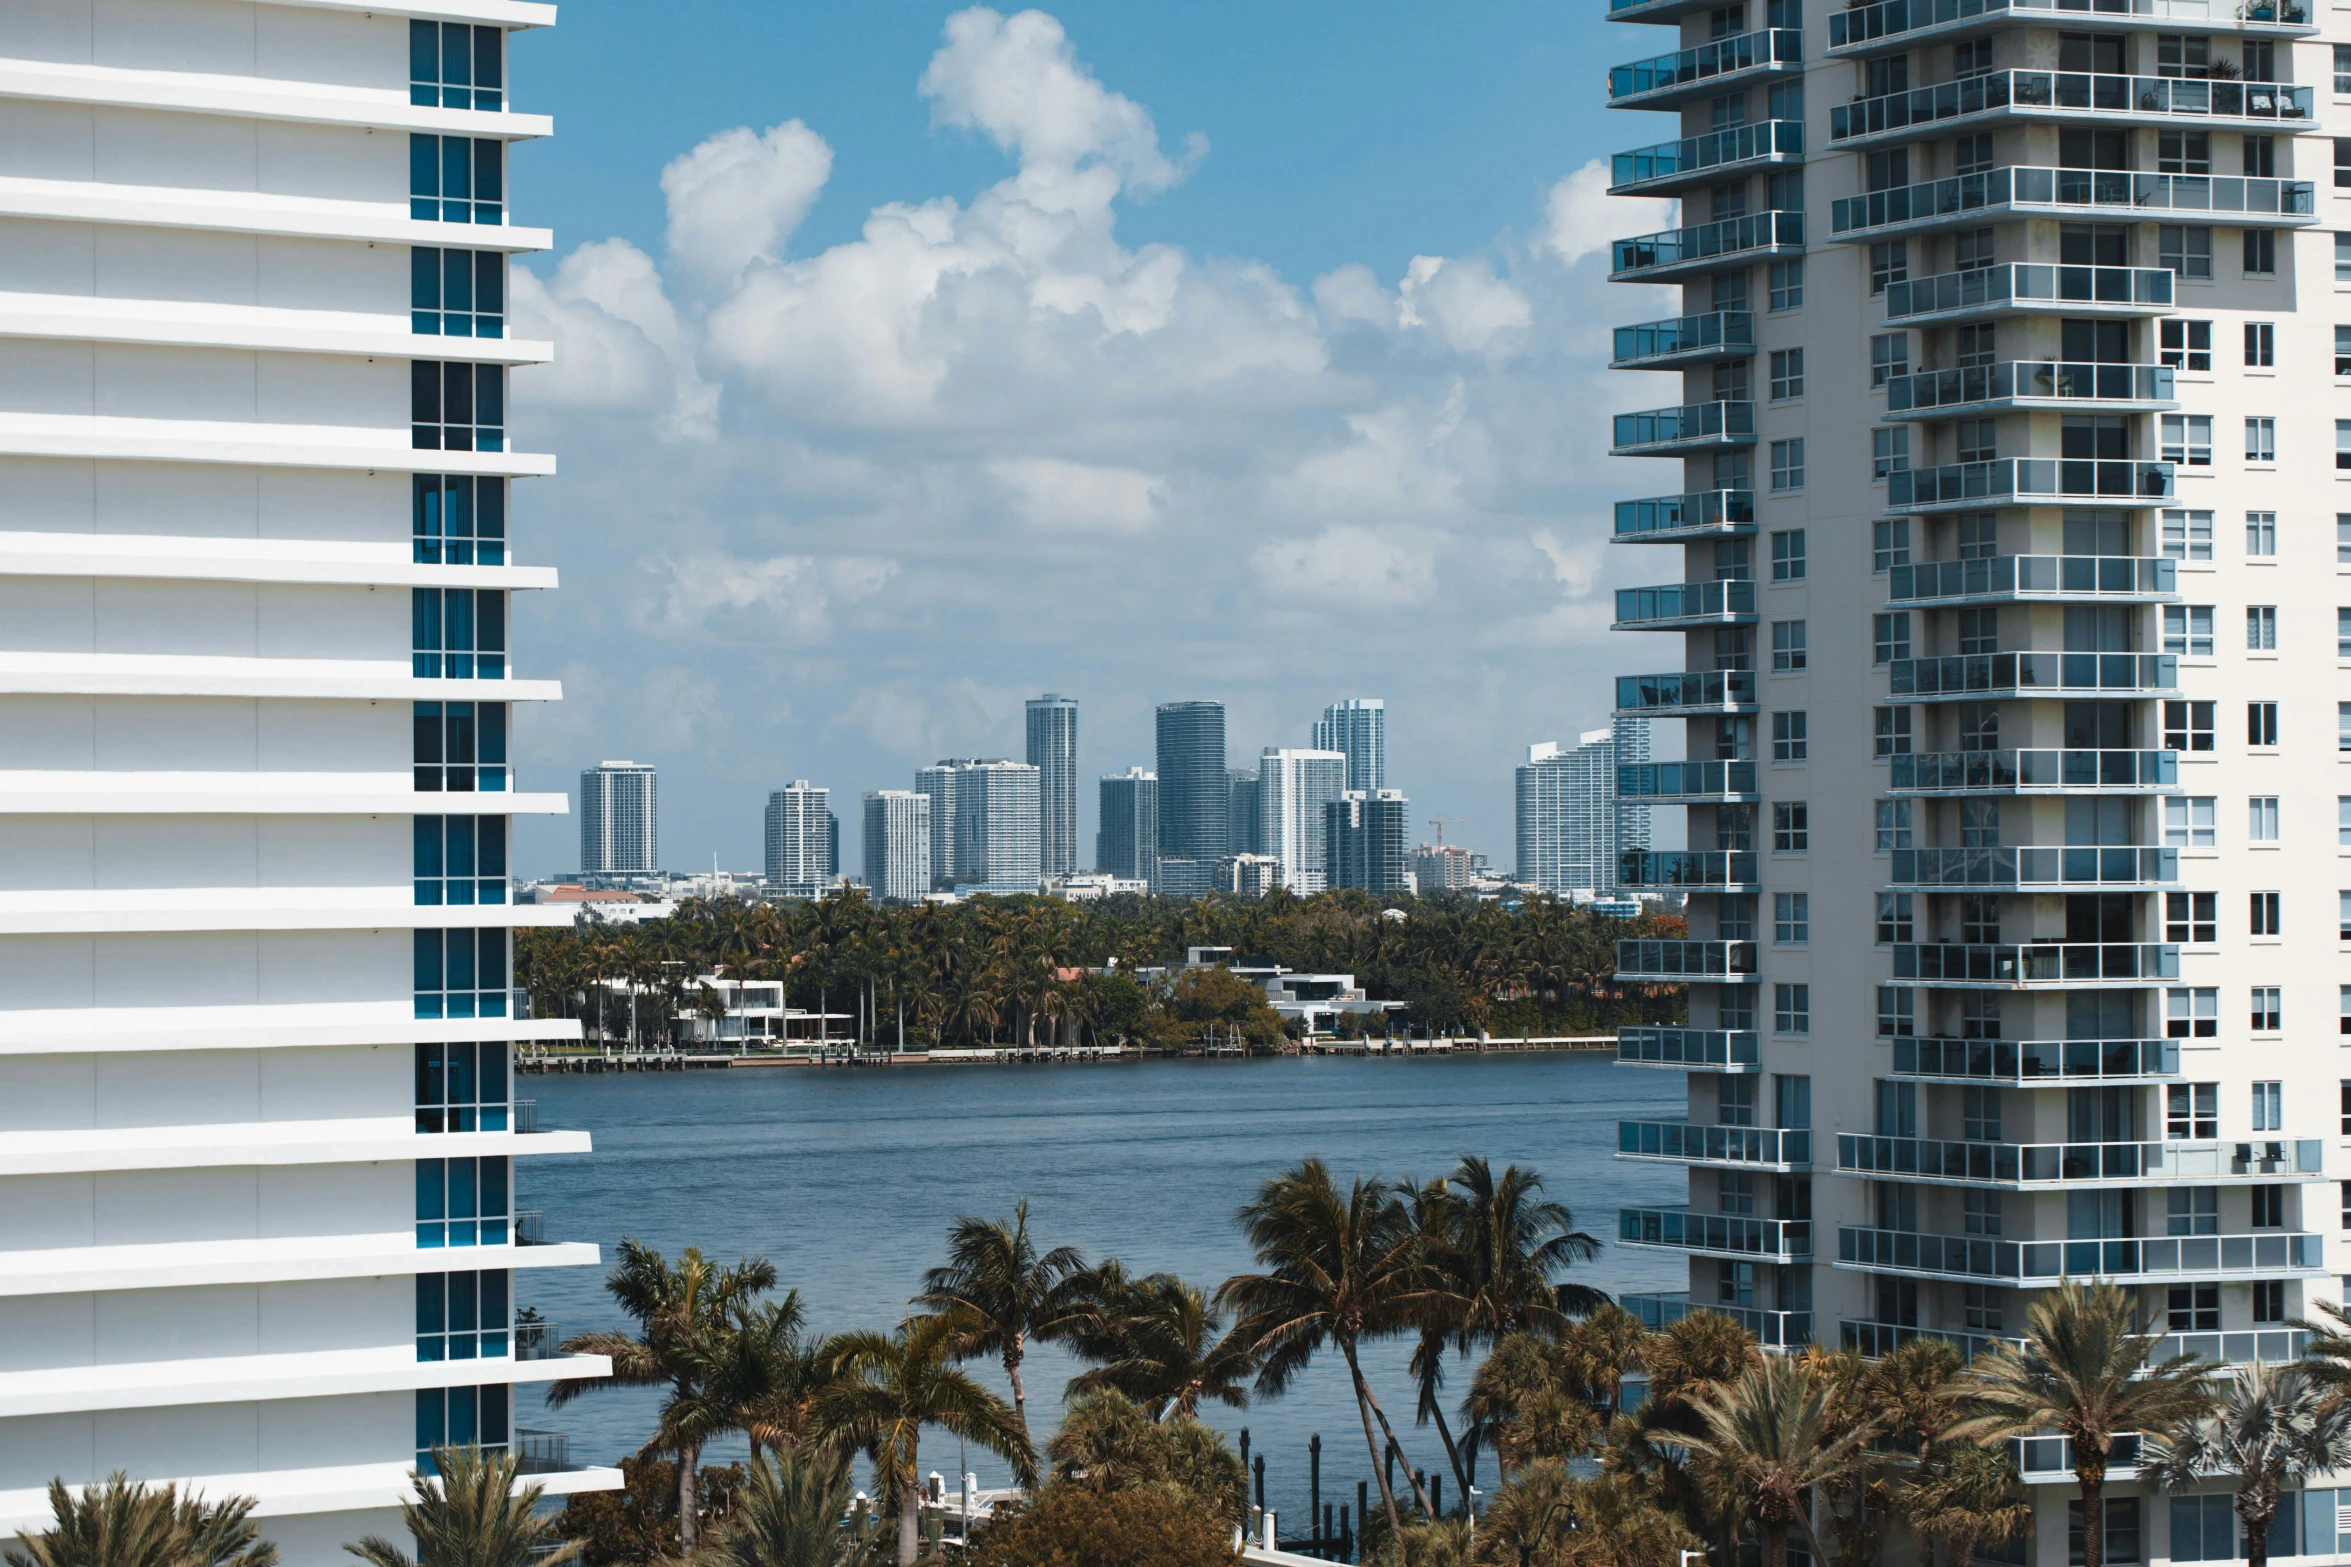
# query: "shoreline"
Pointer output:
{"type": "Point", "coordinates": [597, 1061]}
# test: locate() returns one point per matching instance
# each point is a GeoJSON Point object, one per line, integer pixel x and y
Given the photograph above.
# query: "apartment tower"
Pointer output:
{"type": "Point", "coordinates": [1571, 820]}
{"type": "Point", "coordinates": [801, 845]}
{"type": "Point", "coordinates": [1992, 954]}
{"type": "Point", "coordinates": [1195, 795]}
{"type": "Point", "coordinates": [1053, 752]}
{"type": "Point", "coordinates": [257, 713]}
{"type": "Point", "coordinates": [1364, 838]}
{"type": "Point", "coordinates": [897, 844]}
{"type": "Point", "coordinates": [1127, 844]}
{"type": "Point", "coordinates": [1293, 786]}
{"type": "Point", "coordinates": [1357, 726]}
{"type": "Point", "coordinates": [620, 819]}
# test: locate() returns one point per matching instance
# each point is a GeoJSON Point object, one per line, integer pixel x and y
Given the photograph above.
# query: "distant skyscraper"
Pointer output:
{"type": "Point", "coordinates": [938, 783]}
{"type": "Point", "coordinates": [800, 849]}
{"type": "Point", "coordinates": [1363, 832]}
{"type": "Point", "coordinates": [1194, 793]}
{"type": "Point", "coordinates": [1632, 817]}
{"type": "Point", "coordinates": [1241, 812]}
{"type": "Point", "coordinates": [996, 824]}
{"type": "Point", "coordinates": [1358, 728]}
{"type": "Point", "coordinates": [1053, 752]}
{"type": "Point", "coordinates": [1292, 788]}
{"type": "Point", "coordinates": [1571, 827]}
{"type": "Point", "coordinates": [897, 844]}
{"type": "Point", "coordinates": [1128, 843]}
{"type": "Point", "coordinates": [620, 819]}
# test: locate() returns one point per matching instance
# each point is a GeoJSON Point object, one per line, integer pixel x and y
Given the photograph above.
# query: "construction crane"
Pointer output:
{"type": "Point", "coordinates": [1441, 822]}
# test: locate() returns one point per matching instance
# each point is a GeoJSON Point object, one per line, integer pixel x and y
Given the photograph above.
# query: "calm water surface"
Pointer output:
{"type": "Point", "coordinates": [847, 1181]}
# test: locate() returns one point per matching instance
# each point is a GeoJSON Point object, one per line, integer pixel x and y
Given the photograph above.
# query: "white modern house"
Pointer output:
{"type": "Point", "coordinates": [257, 1140]}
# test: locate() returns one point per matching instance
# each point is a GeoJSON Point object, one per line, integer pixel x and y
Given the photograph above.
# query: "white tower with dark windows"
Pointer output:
{"type": "Point", "coordinates": [620, 819]}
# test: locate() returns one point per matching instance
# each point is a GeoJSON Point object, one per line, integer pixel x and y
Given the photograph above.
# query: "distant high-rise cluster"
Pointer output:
{"type": "Point", "coordinates": [985, 823]}
{"type": "Point", "coordinates": [1357, 728]}
{"type": "Point", "coordinates": [620, 820]}
{"type": "Point", "coordinates": [1573, 828]}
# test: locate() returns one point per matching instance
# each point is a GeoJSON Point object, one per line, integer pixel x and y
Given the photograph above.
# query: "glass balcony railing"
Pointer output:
{"type": "Point", "coordinates": [2068, 191]}
{"type": "Point", "coordinates": [2260, 1346]}
{"type": "Point", "coordinates": [543, 1452]}
{"type": "Point", "coordinates": [2026, 771]}
{"type": "Point", "coordinates": [1697, 1049]}
{"type": "Point", "coordinates": [1706, 247]}
{"type": "Point", "coordinates": [2028, 479]}
{"type": "Point", "coordinates": [1687, 71]}
{"type": "Point", "coordinates": [1671, 961]}
{"type": "Point", "coordinates": [1684, 780]}
{"type": "Point", "coordinates": [1664, 519]}
{"type": "Point", "coordinates": [2059, 91]}
{"type": "Point", "coordinates": [1858, 26]}
{"type": "Point", "coordinates": [2022, 576]}
{"type": "Point", "coordinates": [1723, 1234]}
{"type": "Point", "coordinates": [2027, 866]}
{"type": "Point", "coordinates": [1719, 334]}
{"type": "Point", "coordinates": [1688, 868]}
{"type": "Point", "coordinates": [2029, 380]}
{"type": "Point", "coordinates": [1697, 157]}
{"type": "Point", "coordinates": [1875, 1340]}
{"type": "Point", "coordinates": [1667, 430]}
{"type": "Point", "coordinates": [2032, 674]}
{"type": "Point", "coordinates": [2165, 1257]}
{"type": "Point", "coordinates": [1684, 1142]}
{"type": "Point", "coordinates": [2023, 1063]}
{"type": "Point", "coordinates": [2055, 963]}
{"type": "Point", "coordinates": [1687, 691]}
{"type": "Point", "coordinates": [1726, 602]}
{"type": "Point", "coordinates": [537, 1339]}
{"type": "Point", "coordinates": [2091, 1164]}
{"type": "Point", "coordinates": [2142, 289]}
{"type": "Point", "coordinates": [1772, 1329]}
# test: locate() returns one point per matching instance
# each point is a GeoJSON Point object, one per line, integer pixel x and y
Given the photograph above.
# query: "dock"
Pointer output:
{"type": "Point", "coordinates": [599, 1059]}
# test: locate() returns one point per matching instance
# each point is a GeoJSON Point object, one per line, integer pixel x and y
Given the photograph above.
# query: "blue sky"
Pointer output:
{"type": "Point", "coordinates": [915, 359]}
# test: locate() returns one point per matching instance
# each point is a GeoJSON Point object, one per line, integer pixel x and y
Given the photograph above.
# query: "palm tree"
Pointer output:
{"type": "Point", "coordinates": [766, 1372]}
{"type": "Point", "coordinates": [684, 1317]}
{"type": "Point", "coordinates": [121, 1523]}
{"type": "Point", "coordinates": [1917, 1390]}
{"type": "Point", "coordinates": [789, 1514]}
{"type": "Point", "coordinates": [1444, 1312]}
{"type": "Point", "coordinates": [1340, 1268]}
{"type": "Point", "coordinates": [2083, 1374]}
{"type": "Point", "coordinates": [2274, 1425]}
{"type": "Point", "coordinates": [1600, 1348]}
{"type": "Point", "coordinates": [2328, 1357]}
{"type": "Point", "coordinates": [472, 1516]}
{"type": "Point", "coordinates": [1514, 1241]}
{"type": "Point", "coordinates": [1004, 1293]}
{"type": "Point", "coordinates": [1769, 1438]}
{"type": "Point", "coordinates": [1527, 1402]}
{"type": "Point", "coordinates": [1964, 1497]}
{"type": "Point", "coordinates": [883, 1388]}
{"type": "Point", "coordinates": [1156, 1340]}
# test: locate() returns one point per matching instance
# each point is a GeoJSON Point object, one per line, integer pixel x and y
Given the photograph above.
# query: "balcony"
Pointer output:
{"type": "Point", "coordinates": [1895, 25]}
{"type": "Point", "coordinates": [526, 1116]}
{"type": "Point", "coordinates": [2020, 1165]}
{"type": "Point", "coordinates": [537, 1339]}
{"type": "Point", "coordinates": [2029, 288]}
{"type": "Point", "coordinates": [1715, 1234]}
{"type": "Point", "coordinates": [2069, 95]}
{"type": "Point", "coordinates": [1686, 340]}
{"type": "Point", "coordinates": [1772, 1329]}
{"type": "Point", "coordinates": [1730, 1051]}
{"type": "Point", "coordinates": [1673, 606]}
{"type": "Point", "coordinates": [1967, 199]}
{"type": "Point", "coordinates": [1670, 254]}
{"type": "Point", "coordinates": [1654, 961]}
{"type": "Point", "coordinates": [1735, 1147]}
{"type": "Point", "coordinates": [2038, 1063]}
{"type": "Point", "coordinates": [530, 1227]}
{"type": "Point", "coordinates": [2212, 1257]}
{"type": "Point", "coordinates": [543, 1452]}
{"type": "Point", "coordinates": [1710, 870]}
{"type": "Point", "coordinates": [2262, 1346]}
{"type": "Point", "coordinates": [1695, 160]}
{"type": "Point", "coordinates": [1692, 782]}
{"type": "Point", "coordinates": [2028, 481]}
{"type": "Point", "coordinates": [2026, 675]}
{"type": "Point", "coordinates": [1686, 693]}
{"type": "Point", "coordinates": [2054, 965]}
{"type": "Point", "coordinates": [1656, 10]}
{"type": "Point", "coordinates": [2047, 1460]}
{"type": "Point", "coordinates": [2270, 1346]}
{"type": "Point", "coordinates": [2029, 383]}
{"type": "Point", "coordinates": [2005, 579]}
{"type": "Point", "coordinates": [1672, 519]}
{"type": "Point", "coordinates": [1875, 1340]}
{"type": "Point", "coordinates": [2029, 868]}
{"type": "Point", "coordinates": [2033, 772]}
{"type": "Point", "coordinates": [1680, 432]}
{"type": "Point", "coordinates": [1664, 80]}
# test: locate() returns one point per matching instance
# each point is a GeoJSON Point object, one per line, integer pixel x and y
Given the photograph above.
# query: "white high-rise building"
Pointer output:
{"type": "Point", "coordinates": [1569, 824]}
{"type": "Point", "coordinates": [256, 711]}
{"type": "Point", "coordinates": [799, 833]}
{"type": "Point", "coordinates": [897, 844]}
{"type": "Point", "coordinates": [996, 816]}
{"type": "Point", "coordinates": [1053, 752]}
{"type": "Point", "coordinates": [620, 819]}
{"type": "Point", "coordinates": [1358, 727]}
{"type": "Point", "coordinates": [1292, 788]}
{"type": "Point", "coordinates": [1979, 570]}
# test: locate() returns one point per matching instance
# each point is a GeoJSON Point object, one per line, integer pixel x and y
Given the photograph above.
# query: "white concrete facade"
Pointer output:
{"type": "Point", "coordinates": [256, 704]}
{"type": "Point", "coordinates": [1293, 786]}
{"type": "Point", "coordinates": [897, 844]}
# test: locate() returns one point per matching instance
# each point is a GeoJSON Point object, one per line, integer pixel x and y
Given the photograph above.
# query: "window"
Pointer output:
{"type": "Point", "coordinates": [2343, 350]}
{"type": "Point", "coordinates": [453, 66]}
{"type": "Point", "coordinates": [2343, 820]}
{"type": "Point", "coordinates": [2186, 252]}
{"type": "Point", "coordinates": [2343, 726]}
{"type": "Point", "coordinates": [2343, 539]}
{"type": "Point", "coordinates": [460, 860]}
{"type": "Point", "coordinates": [1980, 1115]}
{"type": "Point", "coordinates": [2269, 1108]}
{"type": "Point", "coordinates": [1791, 827]}
{"type": "Point", "coordinates": [1889, 637]}
{"type": "Point", "coordinates": [2261, 347]}
{"type": "Point", "coordinates": [1787, 374]}
{"type": "Point", "coordinates": [2261, 534]}
{"type": "Point", "coordinates": [457, 520]}
{"type": "Point", "coordinates": [1889, 542]}
{"type": "Point", "coordinates": [2261, 251]}
{"type": "Point", "coordinates": [457, 633]}
{"type": "Point", "coordinates": [1897, 1019]}
{"type": "Point", "coordinates": [2261, 628]}
{"type": "Point", "coordinates": [2192, 1013]}
{"type": "Point", "coordinates": [463, 1316]}
{"type": "Point", "coordinates": [1893, 730]}
{"type": "Point", "coordinates": [460, 973]}
{"type": "Point", "coordinates": [2261, 439]}
{"type": "Point", "coordinates": [1791, 1009]}
{"type": "Point", "coordinates": [2187, 726]}
{"type": "Point", "coordinates": [2261, 819]}
{"type": "Point", "coordinates": [456, 293]}
{"type": "Point", "coordinates": [2269, 1295]}
{"type": "Point", "coordinates": [1788, 737]}
{"type": "Point", "coordinates": [1971, 154]}
{"type": "Point", "coordinates": [2343, 68]}
{"type": "Point", "coordinates": [456, 179]}
{"type": "Point", "coordinates": [2343, 258]}
{"type": "Point", "coordinates": [2191, 1110]}
{"type": "Point", "coordinates": [2188, 821]}
{"type": "Point", "coordinates": [1787, 285]}
{"type": "Point", "coordinates": [461, 1088]}
{"type": "Point", "coordinates": [2343, 916]}
{"type": "Point", "coordinates": [2264, 913]}
{"type": "Point", "coordinates": [2266, 1012]}
{"type": "Point", "coordinates": [1977, 345]}
{"type": "Point", "coordinates": [1979, 918]}
{"type": "Point", "coordinates": [474, 1417]}
{"type": "Point", "coordinates": [2187, 438]}
{"type": "Point", "coordinates": [1791, 918]}
{"type": "Point", "coordinates": [1981, 1210]}
{"type": "Point", "coordinates": [1981, 1312]}
{"type": "Point", "coordinates": [1734, 919]}
{"type": "Point", "coordinates": [2122, 1532]}
{"type": "Point", "coordinates": [2191, 918]}
{"type": "Point", "coordinates": [2187, 630]}
{"type": "Point", "coordinates": [2343, 443]}
{"type": "Point", "coordinates": [2187, 345]}
{"type": "Point", "coordinates": [1787, 464]}
{"type": "Point", "coordinates": [2183, 152]}
{"type": "Point", "coordinates": [456, 408]}
{"type": "Point", "coordinates": [1888, 262]}
{"type": "Point", "coordinates": [1889, 356]}
{"type": "Point", "coordinates": [461, 1202]}
{"type": "Point", "coordinates": [1787, 556]}
{"type": "Point", "coordinates": [2192, 1210]}
{"type": "Point", "coordinates": [2343, 1004]}
{"type": "Point", "coordinates": [460, 746]}
{"type": "Point", "coordinates": [2187, 535]}
{"type": "Point", "coordinates": [1893, 825]}
{"type": "Point", "coordinates": [2261, 723]}
{"type": "Point", "coordinates": [1787, 646]}
{"type": "Point", "coordinates": [1895, 919]}
{"type": "Point", "coordinates": [1889, 450]}
{"type": "Point", "coordinates": [1783, 191]}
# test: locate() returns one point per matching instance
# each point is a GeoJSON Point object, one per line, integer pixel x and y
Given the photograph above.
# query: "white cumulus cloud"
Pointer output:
{"type": "Point", "coordinates": [1345, 564]}
{"type": "Point", "coordinates": [1580, 217]}
{"type": "Point", "coordinates": [1054, 494]}
{"type": "Point", "coordinates": [737, 197]}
